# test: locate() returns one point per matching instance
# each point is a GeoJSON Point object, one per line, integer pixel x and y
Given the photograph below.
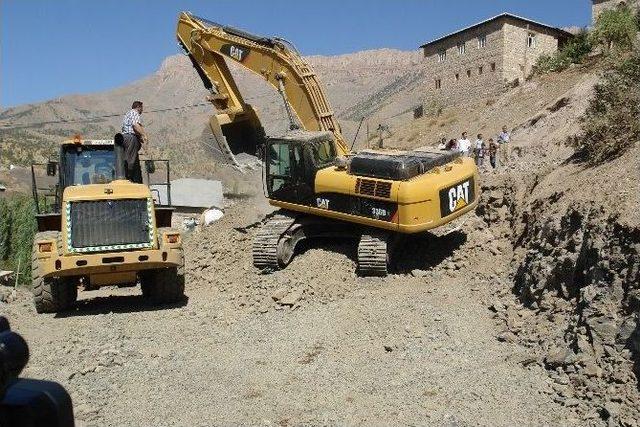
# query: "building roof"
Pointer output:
{"type": "Point", "coordinates": [495, 18]}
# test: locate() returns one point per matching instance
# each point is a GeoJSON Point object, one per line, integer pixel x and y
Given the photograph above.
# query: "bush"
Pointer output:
{"type": "Point", "coordinates": [611, 123]}
{"type": "Point", "coordinates": [573, 52]}
{"type": "Point", "coordinates": [17, 228]}
{"type": "Point", "coordinates": [615, 29]}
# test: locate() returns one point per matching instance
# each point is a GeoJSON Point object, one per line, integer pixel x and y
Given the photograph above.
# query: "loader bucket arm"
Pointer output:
{"type": "Point", "coordinates": [208, 44]}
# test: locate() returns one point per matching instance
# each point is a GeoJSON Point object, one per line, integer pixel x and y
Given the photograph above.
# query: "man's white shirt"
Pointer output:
{"type": "Point", "coordinates": [464, 145]}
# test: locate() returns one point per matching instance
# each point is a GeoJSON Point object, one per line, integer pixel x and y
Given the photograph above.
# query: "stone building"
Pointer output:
{"type": "Point", "coordinates": [599, 5]}
{"type": "Point", "coordinates": [483, 59]}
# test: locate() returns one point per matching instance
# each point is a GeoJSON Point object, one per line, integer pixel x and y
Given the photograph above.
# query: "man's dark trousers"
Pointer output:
{"type": "Point", "coordinates": [132, 169]}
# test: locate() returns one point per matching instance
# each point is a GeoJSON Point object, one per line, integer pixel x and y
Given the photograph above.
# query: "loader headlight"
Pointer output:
{"type": "Point", "coordinates": [45, 247]}
{"type": "Point", "coordinates": [172, 237]}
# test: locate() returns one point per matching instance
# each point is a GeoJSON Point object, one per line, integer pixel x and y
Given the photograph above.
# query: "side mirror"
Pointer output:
{"type": "Point", "coordinates": [150, 166]}
{"type": "Point", "coordinates": [52, 168]}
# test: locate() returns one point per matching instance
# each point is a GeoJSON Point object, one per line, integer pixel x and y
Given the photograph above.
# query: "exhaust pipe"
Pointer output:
{"type": "Point", "coordinates": [118, 149]}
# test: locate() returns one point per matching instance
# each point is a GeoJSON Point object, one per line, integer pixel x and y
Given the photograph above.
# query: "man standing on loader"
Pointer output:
{"type": "Point", "coordinates": [134, 136]}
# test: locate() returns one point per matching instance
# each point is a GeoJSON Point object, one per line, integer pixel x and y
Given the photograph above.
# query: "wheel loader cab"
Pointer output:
{"type": "Point", "coordinates": [87, 164]}
{"type": "Point", "coordinates": [292, 162]}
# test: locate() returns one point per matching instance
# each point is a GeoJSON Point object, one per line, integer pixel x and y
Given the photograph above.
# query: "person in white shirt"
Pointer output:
{"type": "Point", "coordinates": [478, 150]}
{"type": "Point", "coordinates": [504, 139]}
{"type": "Point", "coordinates": [464, 145]}
{"type": "Point", "coordinates": [133, 138]}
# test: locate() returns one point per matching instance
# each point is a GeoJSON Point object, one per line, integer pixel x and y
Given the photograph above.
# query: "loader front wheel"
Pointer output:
{"type": "Point", "coordinates": [50, 294]}
{"type": "Point", "coordinates": [163, 285]}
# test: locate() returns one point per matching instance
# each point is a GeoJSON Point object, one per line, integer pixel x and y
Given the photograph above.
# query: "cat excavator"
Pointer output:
{"type": "Point", "coordinates": [321, 188]}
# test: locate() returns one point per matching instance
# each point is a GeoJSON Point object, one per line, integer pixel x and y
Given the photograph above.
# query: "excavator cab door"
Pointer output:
{"type": "Point", "coordinates": [288, 175]}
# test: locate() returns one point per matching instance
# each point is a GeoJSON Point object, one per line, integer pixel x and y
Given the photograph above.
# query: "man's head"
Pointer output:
{"type": "Point", "coordinates": [504, 129]}
{"type": "Point", "coordinates": [464, 135]}
{"type": "Point", "coordinates": [479, 136]}
{"type": "Point", "coordinates": [137, 105]}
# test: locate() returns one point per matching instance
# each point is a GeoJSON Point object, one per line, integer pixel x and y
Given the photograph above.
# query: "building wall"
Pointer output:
{"type": "Point", "coordinates": [519, 58]}
{"type": "Point", "coordinates": [600, 5]}
{"type": "Point", "coordinates": [506, 47]}
{"type": "Point", "coordinates": [470, 83]}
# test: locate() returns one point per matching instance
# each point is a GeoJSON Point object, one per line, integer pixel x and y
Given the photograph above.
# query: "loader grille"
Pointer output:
{"type": "Point", "coordinates": [108, 225]}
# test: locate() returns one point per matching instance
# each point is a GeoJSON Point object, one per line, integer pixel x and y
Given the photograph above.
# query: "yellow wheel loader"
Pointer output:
{"type": "Point", "coordinates": [96, 228]}
{"type": "Point", "coordinates": [321, 187]}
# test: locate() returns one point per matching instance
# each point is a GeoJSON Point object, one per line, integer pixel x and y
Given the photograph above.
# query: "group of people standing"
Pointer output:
{"type": "Point", "coordinates": [481, 149]}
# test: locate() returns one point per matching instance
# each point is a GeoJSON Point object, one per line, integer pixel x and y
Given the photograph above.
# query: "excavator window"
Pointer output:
{"type": "Point", "coordinates": [279, 165]}
{"type": "Point", "coordinates": [286, 171]}
{"type": "Point", "coordinates": [324, 153]}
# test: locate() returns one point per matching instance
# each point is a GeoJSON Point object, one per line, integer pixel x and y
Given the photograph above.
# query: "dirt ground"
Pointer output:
{"type": "Point", "coordinates": [419, 347]}
{"type": "Point", "coordinates": [526, 315]}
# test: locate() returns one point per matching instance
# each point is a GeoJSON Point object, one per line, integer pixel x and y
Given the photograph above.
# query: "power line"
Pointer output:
{"type": "Point", "coordinates": [94, 118]}
{"type": "Point", "coordinates": [107, 116]}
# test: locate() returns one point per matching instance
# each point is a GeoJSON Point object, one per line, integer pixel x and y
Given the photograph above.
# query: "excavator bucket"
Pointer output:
{"type": "Point", "coordinates": [230, 136]}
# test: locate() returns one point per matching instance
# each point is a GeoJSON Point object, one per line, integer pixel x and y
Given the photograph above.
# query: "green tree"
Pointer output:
{"type": "Point", "coordinates": [615, 29]}
{"type": "Point", "coordinates": [17, 228]}
{"type": "Point", "coordinates": [611, 123]}
{"type": "Point", "coordinates": [575, 51]}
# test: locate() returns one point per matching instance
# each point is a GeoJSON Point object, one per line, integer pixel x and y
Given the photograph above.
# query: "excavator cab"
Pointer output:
{"type": "Point", "coordinates": [292, 162]}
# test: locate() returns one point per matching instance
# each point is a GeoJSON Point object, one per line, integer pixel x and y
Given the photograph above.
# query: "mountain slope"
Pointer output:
{"type": "Point", "coordinates": [349, 79]}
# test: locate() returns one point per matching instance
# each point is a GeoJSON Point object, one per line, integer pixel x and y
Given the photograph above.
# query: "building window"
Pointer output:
{"type": "Point", "coordinates": [482, 41]}
{"type": "Point", "coordinates": [469, 73]}
{"type": "Point", "coordinates": [480, 70]}
{"type": "Point", "coordinates": [442, 56]}
{"type": "Point", "coordinates": [531, 40]}
{"type": "Point", "coordinates": [461, 48]}
{"type": "Point", "coordinates": [493, 66]}
{"type": "Point", "coordinates": [457, 77]}
{"type": "Point", "coordinates": [438, 84]}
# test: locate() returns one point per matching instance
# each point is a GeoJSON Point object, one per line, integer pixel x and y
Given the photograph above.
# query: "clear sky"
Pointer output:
{"type": "Point", "coordinates": [51, 48]}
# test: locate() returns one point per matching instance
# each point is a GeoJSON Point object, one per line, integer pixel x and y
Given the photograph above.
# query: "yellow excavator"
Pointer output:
{"type": "Point", "coordinates": [309, 172]}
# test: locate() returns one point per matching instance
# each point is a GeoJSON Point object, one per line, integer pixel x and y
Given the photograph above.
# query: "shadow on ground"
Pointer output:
{"type": "Point", "coordinates": [412, 252]}
{"type": "Point", "coordinates": [425, 251]}
{"type": "Point", "coordinates": [117, 304]}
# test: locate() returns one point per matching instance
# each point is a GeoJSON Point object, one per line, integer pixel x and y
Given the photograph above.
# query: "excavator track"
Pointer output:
{"type": "Point", "coordinates": [373, 258]}
{"type": "Point", "coordinates": [265, 244]}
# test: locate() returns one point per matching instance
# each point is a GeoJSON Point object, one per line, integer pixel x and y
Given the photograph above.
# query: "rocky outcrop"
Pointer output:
{"type": "Point", "coordinates": [580, 273]}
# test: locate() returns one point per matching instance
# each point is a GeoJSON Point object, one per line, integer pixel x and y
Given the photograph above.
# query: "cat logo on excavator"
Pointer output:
{"type": "Point", "coordinates": [235, 52]}
{"type": "Point", "coordinates": [456, 197]}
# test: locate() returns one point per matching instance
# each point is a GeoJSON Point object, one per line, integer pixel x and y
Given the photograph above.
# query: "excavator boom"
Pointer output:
{"type": "Point", "coordinates": [208, 44]}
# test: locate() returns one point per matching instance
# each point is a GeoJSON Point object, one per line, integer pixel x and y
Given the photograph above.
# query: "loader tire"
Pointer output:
{"type": "Point", "coordinates": [50, 294]}
{"type": "Point", "coordinates": [164, 285]}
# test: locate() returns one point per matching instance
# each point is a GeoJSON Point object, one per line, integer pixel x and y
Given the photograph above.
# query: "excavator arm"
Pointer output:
{"type": "Point", "coordinates": [236, 126]}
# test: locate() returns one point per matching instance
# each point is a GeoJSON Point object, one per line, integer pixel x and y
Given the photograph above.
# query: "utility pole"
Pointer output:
{"type": "Point", "coordinates": [367, 132]}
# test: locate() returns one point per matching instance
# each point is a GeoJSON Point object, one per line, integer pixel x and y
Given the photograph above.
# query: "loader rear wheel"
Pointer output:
{"type": "Point", "coordinates": [163, 285]}
{"type": "Point", "coordinates": [50, 294]}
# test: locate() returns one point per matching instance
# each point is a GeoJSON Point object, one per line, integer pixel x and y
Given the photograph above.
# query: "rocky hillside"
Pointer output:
{"type": "Point", "coordinates": [573, 233]}
{"type": "Point", "coordinates": [349, 80]}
